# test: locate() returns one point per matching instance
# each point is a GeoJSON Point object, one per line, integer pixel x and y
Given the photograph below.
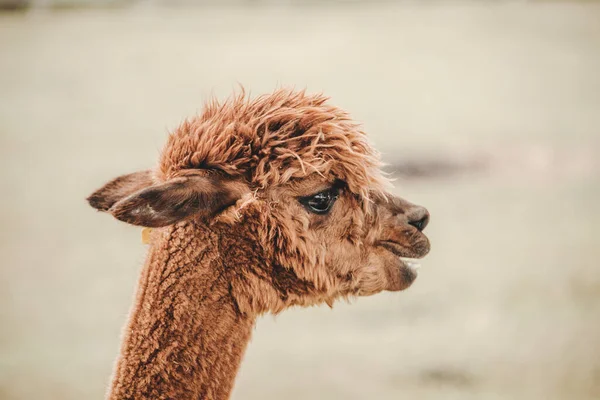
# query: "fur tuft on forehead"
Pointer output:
{"type": "Point", "coordinates": [272, 139]}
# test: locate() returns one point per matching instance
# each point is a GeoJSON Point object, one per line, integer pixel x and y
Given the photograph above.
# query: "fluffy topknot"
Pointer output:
{"type": "Point", "coordinates": [273, 139]}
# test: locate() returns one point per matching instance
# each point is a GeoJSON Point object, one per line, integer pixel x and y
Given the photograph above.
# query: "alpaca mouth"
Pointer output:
{"type": "Point", "coordinates": [419, 250]}
{"type": "Point", "coordinates": [408, 257]}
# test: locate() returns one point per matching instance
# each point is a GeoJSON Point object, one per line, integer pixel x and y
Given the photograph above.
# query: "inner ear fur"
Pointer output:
{"type": "Point", "coordinates": [177, 199]}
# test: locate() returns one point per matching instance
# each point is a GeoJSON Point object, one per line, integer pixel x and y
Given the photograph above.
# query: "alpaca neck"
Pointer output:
{"type": "Point", "coordinates": [186, 336]}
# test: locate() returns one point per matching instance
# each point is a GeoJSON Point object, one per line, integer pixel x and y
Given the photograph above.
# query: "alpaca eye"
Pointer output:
{"type": "Point", "coordinates": [321, 202]}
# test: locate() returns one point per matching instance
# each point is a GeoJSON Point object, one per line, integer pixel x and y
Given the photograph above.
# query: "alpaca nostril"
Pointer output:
{"type": "Point", "coordinates": [420, 220]}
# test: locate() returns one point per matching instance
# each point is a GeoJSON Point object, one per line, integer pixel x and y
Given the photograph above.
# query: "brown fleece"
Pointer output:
{"type": "Point", "coordinates": [236, 238]}
{"type": "Point", "coordinates": [186, 336]}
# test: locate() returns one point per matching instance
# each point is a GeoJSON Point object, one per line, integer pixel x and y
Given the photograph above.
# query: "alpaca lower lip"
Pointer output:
{"type": "Point", "coordinates": [408, 263]}
{"type": "Point", "coordinates": [408, 271]}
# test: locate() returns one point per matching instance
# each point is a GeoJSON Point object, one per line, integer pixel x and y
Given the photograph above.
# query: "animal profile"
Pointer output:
{"type": "Point", "coordinates": [256, 205]}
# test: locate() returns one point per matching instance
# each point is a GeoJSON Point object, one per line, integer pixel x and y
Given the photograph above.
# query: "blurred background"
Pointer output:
{"type": "Point", "coordinates": [487, 112]}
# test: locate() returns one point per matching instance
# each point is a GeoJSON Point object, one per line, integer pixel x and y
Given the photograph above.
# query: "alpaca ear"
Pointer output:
{"type": "Point", "coordinates": [179, 198]}
{"type": "Point", "coordinates": [119, 188]}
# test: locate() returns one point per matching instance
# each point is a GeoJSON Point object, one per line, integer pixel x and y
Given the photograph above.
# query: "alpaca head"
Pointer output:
{"type": "Point", "coordinates": [291, 180]}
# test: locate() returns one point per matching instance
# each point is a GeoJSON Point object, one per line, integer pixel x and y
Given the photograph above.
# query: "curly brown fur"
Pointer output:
{"type": "Point", "coordinates": [236, 238]}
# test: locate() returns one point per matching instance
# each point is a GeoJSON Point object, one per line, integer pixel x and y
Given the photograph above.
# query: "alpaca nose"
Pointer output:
{"type": "Point", "coordinates": [418, 217]}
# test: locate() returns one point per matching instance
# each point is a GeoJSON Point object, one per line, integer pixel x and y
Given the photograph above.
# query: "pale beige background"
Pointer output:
{"type": "Point", "coordinates": [508, 303]}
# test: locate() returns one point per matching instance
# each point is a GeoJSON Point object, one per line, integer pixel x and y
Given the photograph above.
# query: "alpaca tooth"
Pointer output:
{"type": "Point", "coordinates": [412, 264]}
{"type": "Point", "coordinates": [407, 259]}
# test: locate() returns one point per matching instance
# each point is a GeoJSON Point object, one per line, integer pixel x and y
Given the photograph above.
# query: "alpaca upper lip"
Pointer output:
{"type": "Point", "coordinates": [399, 250]}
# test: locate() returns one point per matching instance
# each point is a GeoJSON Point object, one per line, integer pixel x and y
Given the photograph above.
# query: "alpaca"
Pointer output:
{"type": "Point", "coordinates": [257, 205]}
